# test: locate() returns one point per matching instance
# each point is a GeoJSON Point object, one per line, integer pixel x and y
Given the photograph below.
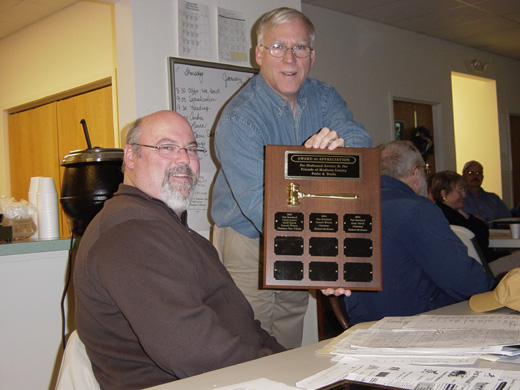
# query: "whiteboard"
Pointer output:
{"type": "Point", "coordinates": [199, 92]}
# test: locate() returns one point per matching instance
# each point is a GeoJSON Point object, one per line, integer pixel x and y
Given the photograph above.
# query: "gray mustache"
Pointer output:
{"type": "Point", "coordinates": [183, 170]}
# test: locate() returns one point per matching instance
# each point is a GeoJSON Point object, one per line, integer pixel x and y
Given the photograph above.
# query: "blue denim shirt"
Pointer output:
{"type": "Point", "coordinates": [488, 206]}
{"type": "Point", "coordinates": [258, 116]}
{"type": "Point", "coordinates": [425, 265]}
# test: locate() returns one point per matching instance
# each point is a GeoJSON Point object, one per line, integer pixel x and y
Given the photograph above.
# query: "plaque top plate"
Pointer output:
{"type": "Point", "coordinates": [329, 166]}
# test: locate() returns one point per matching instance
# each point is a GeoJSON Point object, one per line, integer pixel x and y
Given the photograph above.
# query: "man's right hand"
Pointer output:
{"type": "Point", "coordinates": [325, 139]}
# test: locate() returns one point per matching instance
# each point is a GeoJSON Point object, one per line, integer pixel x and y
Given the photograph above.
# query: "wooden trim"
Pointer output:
{"type": "Point", "coordinates": [62, 95]}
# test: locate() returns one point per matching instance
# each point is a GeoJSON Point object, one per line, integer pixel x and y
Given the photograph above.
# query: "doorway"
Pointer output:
{"type": "Point", "coordinates": [514, 126]}
{"type": "Point", "coordinates": [475, 119]}
{"type": "Point", "coordinates": [414, 122]}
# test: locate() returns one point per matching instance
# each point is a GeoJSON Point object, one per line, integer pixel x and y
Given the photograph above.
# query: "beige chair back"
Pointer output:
{"type": "Point", "coordinates": [474, 250]}
{"type": "Point", "coordinates": [76, 370]}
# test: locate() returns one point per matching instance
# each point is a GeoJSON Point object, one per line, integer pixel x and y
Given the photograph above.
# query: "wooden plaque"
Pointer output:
{"type": "Point", "coordinates": [322, 218]}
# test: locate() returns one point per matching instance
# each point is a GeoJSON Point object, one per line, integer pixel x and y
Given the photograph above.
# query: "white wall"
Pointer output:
{"type": "Point", "coordinates": [69, 49]}
{"type": "Point", "coordinates": [371, 63]}
{"type": "Point", "coordinates": [154, 39]}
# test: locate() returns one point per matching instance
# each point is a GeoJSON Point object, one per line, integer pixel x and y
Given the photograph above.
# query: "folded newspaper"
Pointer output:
{"type": "Point", "coordinates": [427, 352]}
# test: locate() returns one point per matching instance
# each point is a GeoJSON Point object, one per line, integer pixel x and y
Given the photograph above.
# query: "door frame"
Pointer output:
{"type": "Point", "coordinates": [439, 150]}
{"type": "Point", "coordinates": [513, 195]}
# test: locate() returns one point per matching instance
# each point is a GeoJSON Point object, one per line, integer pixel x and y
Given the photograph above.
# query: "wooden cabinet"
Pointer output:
{"type": "Point", "coordinates": [40, 137]}
{"type": "Point", "coordinates": [33, 147]}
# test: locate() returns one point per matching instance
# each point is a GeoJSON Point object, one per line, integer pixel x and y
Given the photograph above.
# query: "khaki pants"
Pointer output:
{"type": "Point", "coordinates": [281, 313]}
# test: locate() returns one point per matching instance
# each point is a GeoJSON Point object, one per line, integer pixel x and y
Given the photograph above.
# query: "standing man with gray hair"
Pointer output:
{"type": "Point", "coordinates": [280, 106]}
{"type": "Point", "coordinates": [425, 265]}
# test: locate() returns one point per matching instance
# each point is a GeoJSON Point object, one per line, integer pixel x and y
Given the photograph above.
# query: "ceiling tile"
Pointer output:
{"type": "Point", "coordinates": [350, 6]}
{"type": "Point", "coordinates": [473, 29]}
{"type": "Point", "coordinates": [448, 18]}
{"type": "Point", "coordinates": [406, 9]}
{"type": "Point", "coordinates": [500, 7]}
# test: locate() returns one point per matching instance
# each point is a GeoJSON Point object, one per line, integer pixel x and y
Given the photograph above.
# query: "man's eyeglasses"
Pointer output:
{"type": "Point", "coordinates": [278, 51]}
{"type": "Point", "coordinates": [476, 173]}
{"type": "Point", "coordinates": [427, 169]}
{"type": "Point", "coordinates": [172, 150]}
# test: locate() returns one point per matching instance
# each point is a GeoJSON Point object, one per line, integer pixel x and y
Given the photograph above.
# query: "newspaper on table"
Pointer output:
{"type": "Point", "coordinates": [429, 335]}
{"type": "Point", "coordinates": [416, 377]}
{"type": "Point", "coordinates": [427, 352]}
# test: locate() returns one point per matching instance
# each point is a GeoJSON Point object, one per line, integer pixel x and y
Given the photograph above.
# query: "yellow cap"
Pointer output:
{"type": "Point", "coordinates": [506, 294]}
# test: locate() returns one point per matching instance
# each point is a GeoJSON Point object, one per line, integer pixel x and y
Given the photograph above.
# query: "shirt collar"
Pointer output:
{"type": "Point", "coordinates": [278, 102]}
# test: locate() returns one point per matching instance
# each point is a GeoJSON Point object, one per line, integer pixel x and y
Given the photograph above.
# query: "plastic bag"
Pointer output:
{"type": "Point", "coordinates": [19, 216]}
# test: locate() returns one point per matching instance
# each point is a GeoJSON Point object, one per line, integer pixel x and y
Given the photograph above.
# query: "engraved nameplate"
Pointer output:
{"type": "Point", "coordinates": [357, 223]}
{"type": "Point", "coordinates": [322, 166]}
{"type": "Point", "coordinates": [323, 222]}
{"type": "Point", "coordinates": [288, 222]}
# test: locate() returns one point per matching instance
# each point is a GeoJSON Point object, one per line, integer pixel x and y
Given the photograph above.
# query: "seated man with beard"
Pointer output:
{"type": "Point", "coordinates": [425, 265]}
{"type": "Point", "coordinates": [153, 301]}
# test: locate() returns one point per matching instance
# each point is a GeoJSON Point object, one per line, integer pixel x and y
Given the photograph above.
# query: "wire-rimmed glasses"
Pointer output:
{"type": "Point", "coordinates": [278, 50]}
{"type": "Point", "coordinates": [172, 150]}
{"type": "Point", "coordinates": [427, 168]}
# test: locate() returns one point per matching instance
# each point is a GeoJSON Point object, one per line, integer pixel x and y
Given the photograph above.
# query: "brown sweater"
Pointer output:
{"type": "Point", "coordinates": [153, 301]}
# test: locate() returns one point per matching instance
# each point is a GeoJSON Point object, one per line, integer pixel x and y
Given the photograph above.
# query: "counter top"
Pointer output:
{"type": "Point", "coordinates": [33, 246]}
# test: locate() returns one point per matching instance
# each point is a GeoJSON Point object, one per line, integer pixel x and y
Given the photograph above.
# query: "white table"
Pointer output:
{"type": "Point", "coordinates": [501, 238]}
{"type": "Point", "coordinates": [292, 366]}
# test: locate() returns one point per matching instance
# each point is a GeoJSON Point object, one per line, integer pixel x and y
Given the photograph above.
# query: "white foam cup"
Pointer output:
{"type": "Point", "coordinates": [48, 216]}
{"type": "Point", "coordinates": [33, 189]}
{"type": "Point", "coordinates": [515, 230]}
{"type": "Point", "coordinates": [46, 186]}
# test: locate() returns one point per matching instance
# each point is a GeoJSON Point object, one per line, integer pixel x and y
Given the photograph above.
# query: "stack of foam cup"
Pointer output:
{"type": "Point", "coordinates": [48, 216]}
{"type": "Point", "coordinates": [33, 199]}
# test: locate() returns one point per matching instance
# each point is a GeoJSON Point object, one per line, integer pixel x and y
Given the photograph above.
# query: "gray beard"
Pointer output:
{"type": "Point", "coordinates": [178, 196]}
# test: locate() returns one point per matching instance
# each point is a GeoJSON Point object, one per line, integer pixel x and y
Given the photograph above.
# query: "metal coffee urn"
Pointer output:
{"type": "Point", "coordinates": [91, 176]}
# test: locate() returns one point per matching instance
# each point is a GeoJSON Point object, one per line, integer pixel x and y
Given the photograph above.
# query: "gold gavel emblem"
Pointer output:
{"type": "Point", "coordinates": [294, 195]}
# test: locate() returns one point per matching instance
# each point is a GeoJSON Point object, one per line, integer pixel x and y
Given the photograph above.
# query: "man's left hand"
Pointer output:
{"type": "Point", "coordinates": [325, 138]}
{"type": "Point", "coordinates": [336, 291]}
